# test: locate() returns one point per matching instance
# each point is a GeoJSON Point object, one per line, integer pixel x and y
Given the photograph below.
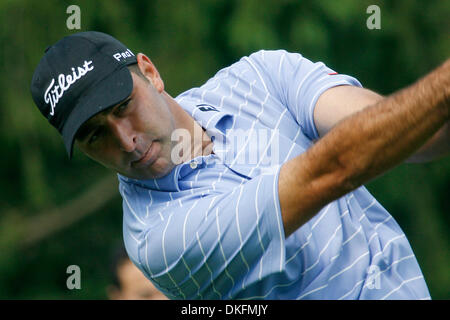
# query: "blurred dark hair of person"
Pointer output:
{"type": "Point", "coordinates": [128, 281]}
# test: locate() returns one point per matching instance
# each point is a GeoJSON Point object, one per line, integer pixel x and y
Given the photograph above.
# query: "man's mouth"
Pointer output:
{"type": "Point", "coordinates": [147, 158]}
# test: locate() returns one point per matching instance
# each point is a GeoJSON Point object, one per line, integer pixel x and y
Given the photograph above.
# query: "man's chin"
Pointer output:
{"type": "Point", "coordinates": [157, 171]}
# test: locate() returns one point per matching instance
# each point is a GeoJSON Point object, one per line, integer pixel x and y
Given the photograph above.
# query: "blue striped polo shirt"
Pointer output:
{"type": "Point", "coordinates": [212, 227]}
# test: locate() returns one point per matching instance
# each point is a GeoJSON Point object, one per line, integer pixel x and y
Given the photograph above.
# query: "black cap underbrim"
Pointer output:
{"type": "Point", "coordinates": [108, 92]}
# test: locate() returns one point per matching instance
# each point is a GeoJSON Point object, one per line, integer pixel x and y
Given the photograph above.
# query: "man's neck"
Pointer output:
{"type": "Point", "coordinates": [200, 142]}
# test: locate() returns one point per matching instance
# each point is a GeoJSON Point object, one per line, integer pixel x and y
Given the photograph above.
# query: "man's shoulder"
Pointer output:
{"type": "Point", "coordinates": [263, 62]}
{"type": "Point", "coordinates": [270, 55]}
{"type": "Point", "coordinates": [262, 56]}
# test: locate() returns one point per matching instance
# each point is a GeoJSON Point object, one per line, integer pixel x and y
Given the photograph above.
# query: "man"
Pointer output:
{"type": "Point", "coordinates": [250, 186]}
{"type": "Point", "coordinates": [128, 281]}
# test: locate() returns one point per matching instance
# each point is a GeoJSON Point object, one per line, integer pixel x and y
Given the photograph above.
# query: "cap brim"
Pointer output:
{"type": "Point", "coordinates": [108, 92]}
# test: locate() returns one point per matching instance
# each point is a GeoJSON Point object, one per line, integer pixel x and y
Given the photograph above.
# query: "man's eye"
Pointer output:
{"type": "Point", "coordinates": [94, 137]}
{"type": "Point", "coordinates": [122, 107]}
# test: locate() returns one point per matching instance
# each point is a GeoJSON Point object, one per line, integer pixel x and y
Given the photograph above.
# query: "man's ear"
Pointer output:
{"type": "Point", "coordinates": [149, 70]}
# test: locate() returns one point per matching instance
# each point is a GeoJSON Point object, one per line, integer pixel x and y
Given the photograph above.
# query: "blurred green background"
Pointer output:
{"type": "Point", "coordinates": [56, 212]}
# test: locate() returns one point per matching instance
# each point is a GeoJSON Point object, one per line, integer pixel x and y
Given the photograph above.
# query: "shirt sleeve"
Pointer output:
{"type": "Point", "coordinates": [297, 82]}
{"type": "Point", "coordinates": [217, 245]}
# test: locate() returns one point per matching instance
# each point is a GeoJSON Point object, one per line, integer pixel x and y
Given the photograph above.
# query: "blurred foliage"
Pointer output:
{"type": "Point", "coordinates": [189, 41]}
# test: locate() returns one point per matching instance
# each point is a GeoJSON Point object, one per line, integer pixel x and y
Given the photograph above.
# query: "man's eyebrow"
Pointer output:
{"type": "Point", "coordinates": [122, 103]}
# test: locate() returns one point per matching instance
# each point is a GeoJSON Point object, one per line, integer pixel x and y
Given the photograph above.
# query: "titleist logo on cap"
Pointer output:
{"type": "Point", "coordinates": [55, 92]}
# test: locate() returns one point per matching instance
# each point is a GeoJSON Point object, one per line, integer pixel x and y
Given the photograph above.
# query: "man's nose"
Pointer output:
{"type": "Point", "coordinates": [124, 134]}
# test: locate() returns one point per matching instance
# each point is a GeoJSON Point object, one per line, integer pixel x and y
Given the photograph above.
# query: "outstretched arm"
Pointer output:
{"type": "Point", "coordinates": [363, 146]}
{"type": "Point", "coordinates": [339, 102]}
